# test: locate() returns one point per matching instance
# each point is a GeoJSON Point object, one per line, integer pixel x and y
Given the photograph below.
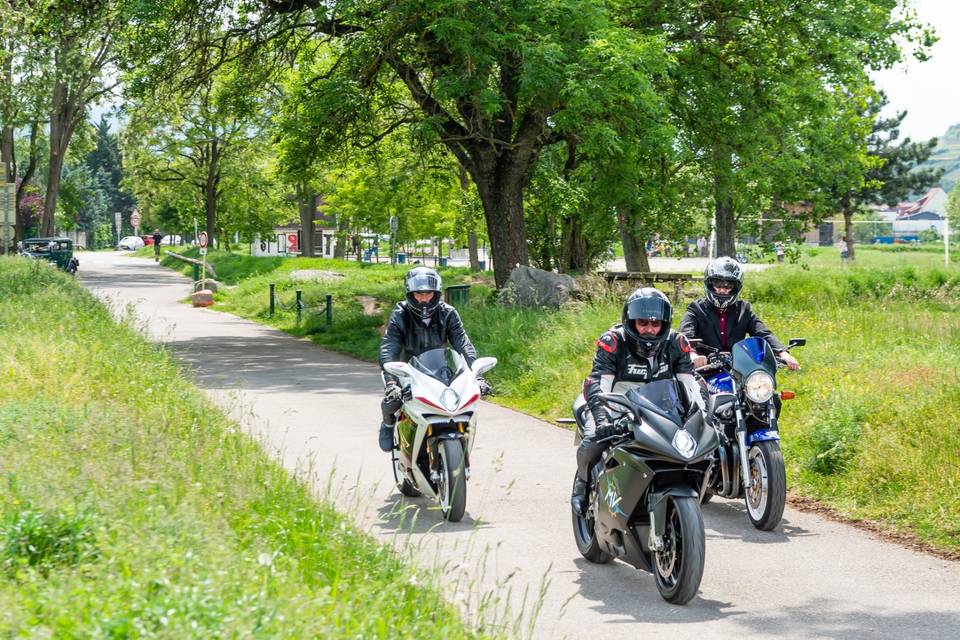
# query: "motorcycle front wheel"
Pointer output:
{"type": "Point", "coordinates": [678, 567]}
{"type": "Point", "coordinates": [583, 533]}
{"type": "Point", "coordinates": [452, 486]}
{"type": "Point", "coordinates": [766, 498]}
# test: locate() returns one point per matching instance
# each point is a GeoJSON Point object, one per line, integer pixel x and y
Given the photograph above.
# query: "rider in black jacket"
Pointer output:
{"type": "Point", "coordinates": [641, 349]}
{"type": "Point", "coordinates": [420, 323]}
{"type": "Point", "coordinates": [720, 320]}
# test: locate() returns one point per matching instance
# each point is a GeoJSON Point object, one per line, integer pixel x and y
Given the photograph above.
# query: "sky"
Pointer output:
{"type": "Point", "coordinates": [929, 91]}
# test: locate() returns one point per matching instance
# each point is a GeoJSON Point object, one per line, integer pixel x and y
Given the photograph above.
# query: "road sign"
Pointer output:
{"type": "Point", "coordinates": [135, 219]}
{"type": "Point", "coordinates": [203, 240]}
{"type": "Point", "coordinates": [394, 223]}
{"type": "Point", "coordinates": [203, 251]}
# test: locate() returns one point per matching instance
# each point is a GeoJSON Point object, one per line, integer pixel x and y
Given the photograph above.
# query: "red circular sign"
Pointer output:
{"type": "Point", "coordinates": [202, 239]}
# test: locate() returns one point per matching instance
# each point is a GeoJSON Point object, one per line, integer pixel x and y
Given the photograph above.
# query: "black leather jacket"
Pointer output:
{"type": "Point", "coordinates": [703, 321]}
{"type": "Point", "coordinates": [408, 336]}
{"type": "Point", "coordinates": [616, 362]}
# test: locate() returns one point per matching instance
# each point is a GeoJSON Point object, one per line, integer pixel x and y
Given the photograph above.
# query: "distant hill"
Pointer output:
{"type": "Point", "coordinates": [947, 157]}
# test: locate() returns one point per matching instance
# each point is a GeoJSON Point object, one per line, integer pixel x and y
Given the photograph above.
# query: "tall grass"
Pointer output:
{"type": "Point", "coordinates": [130, 507]}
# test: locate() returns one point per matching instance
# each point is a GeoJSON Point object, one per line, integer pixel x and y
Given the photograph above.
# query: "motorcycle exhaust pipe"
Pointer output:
{"type": "Point", "coordinates": [742, 442]}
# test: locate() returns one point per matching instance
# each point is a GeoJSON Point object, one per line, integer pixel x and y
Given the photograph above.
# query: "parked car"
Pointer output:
{"type": "Point", "coordinates": [130, 243]}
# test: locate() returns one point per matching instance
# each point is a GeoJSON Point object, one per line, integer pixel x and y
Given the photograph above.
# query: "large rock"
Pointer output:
{"type": "Point", "coordinates": [529, 287]}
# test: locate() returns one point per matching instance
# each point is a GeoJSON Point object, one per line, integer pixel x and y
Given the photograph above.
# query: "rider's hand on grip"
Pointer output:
{"type": "Point", "coordinates": [392, 392]}
{"type": "Point", "coordinates": [485, 388]}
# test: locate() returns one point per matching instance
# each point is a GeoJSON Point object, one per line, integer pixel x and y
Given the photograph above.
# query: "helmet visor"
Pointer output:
{"type": "Point", "coordinates": [423, 282]}
{"type": "Point", "coordinates": [649, 308]}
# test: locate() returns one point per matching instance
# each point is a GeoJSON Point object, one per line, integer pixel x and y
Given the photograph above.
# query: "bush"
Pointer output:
{"type": "Point", "coordinates": [833, 441]}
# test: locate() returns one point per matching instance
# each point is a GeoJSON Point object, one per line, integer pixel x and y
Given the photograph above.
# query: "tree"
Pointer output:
{"type": "Point", "coordinates": [750, 76]}
{"type": "Point", "coordinates": [488, 81]}
{"type": "Point", "coordinates": [82, 40]}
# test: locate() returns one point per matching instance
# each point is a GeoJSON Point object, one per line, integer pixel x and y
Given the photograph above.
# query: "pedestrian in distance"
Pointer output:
{"type": "Point", "coordinates": [157, 239]}
{"type": "Point", "coordinates": [780, 250]}
{"type": "Point", "coordinates": [844, 251]}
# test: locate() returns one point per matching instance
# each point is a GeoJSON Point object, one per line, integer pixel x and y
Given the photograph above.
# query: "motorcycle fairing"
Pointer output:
{"type": "Point", "coordinates": [753, 354]}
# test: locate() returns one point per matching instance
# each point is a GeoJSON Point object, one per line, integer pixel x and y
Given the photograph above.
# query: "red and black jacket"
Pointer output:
{"type": "Point", "coordinates": [615, 361]}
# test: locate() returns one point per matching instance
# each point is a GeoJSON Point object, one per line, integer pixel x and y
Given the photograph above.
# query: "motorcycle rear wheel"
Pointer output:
{"type": "Point", "coordinates": [583, 534]}
{"type": "Point", "coordinates": [765, 500]}
{"type": "Point", "coordinates": [404, 486]}
{"type": "Point", "coordinates": [678, 568]}
{"type": "Point", "coordinates": [452, 487]}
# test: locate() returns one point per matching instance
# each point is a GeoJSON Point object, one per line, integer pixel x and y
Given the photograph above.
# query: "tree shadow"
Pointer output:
{"type": "Point", "coordinates": [728, 519]}
{"type": "Point", "coordinates": [631, 596]}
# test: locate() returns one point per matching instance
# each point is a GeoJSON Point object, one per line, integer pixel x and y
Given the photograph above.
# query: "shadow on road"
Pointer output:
{"type": "Point", "coordinates": [728, 519]}
{"type": "Point", "coordinates": [272, 362]}
{"type": "Point", "coordinates": [619, 590]}
{"type": "Point", "coordinates": [826, 618]}
{"type": "Point", "coordinates": [420, 515]}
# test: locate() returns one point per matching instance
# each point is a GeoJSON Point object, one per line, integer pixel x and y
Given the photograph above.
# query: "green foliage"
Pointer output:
{"type": "Point", "coordinates": [833, 439]}
{"type": "Point", "coordinates": [45, 540]}
{"type": "Point", "coordinates": [196, 532]}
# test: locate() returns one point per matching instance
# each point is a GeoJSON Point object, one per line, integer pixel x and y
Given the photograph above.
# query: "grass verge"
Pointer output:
{"type": "Point", "coordinates": [130, 507]}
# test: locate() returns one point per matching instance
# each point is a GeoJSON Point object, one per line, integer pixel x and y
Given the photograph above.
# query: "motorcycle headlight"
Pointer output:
{"type": "Point", "coordinates": [450, 399]}
{"type": "Point", "coordinates": [759, 387]}
{"type": "Point", "coordinates": [684, 443]}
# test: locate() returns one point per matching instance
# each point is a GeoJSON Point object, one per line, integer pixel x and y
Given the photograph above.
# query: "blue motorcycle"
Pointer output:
{"type": "Point", "coordinates": [743, 405]}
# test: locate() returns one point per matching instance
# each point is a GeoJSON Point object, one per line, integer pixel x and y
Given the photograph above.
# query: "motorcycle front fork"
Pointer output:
{"type": "Point", "coordinates": [741, 434]}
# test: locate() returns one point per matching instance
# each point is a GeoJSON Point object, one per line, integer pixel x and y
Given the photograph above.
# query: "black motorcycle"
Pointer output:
{"type": "Point", "coordinates": [644, 494]}
{"type": "Point", "coordinates": [744, 406]}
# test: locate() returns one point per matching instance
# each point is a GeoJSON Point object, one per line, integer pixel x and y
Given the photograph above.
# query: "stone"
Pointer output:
{"type": "Point", "coordinates": [202, 298]}
{"type": "Point", "coordinates": [210, 285]}
{"type": "Point", "coordinates": [530, 287]}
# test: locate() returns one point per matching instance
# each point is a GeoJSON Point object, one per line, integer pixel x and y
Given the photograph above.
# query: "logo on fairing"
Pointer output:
{"type": "Point", "coordinates": [636, 369]}
{"type": "Point", "coordinates": [613, 499]}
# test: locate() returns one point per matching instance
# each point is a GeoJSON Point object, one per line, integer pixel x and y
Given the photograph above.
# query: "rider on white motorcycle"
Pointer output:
{"type": "Point", "coordinates": [420, 323]}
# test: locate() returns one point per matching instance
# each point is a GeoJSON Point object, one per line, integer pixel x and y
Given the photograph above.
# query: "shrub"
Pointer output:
{"type": "Point", "coordinates": [833, 441]}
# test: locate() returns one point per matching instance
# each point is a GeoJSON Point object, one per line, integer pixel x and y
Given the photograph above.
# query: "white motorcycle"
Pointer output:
{"type": "Point", "coordinates": [434, 433]}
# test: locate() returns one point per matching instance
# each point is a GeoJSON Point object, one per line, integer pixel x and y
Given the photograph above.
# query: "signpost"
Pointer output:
{"type": "Point", "coordinates": [202, 239]}
{"type": "Point", "coordinates": [117, 222]}
{"type": "Point", "coordinates": [394, 225]}
{"type": "Point", "coordinates": [8, 202]}
{"type": "Point", "coordinates": [135, 221]}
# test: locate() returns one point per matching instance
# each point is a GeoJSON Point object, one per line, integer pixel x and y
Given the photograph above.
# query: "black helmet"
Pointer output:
{"type": "Point", "coordinates": [723, 270]}
{"type": "Point", "coordinates": [651, 304]}
{"type": "Point", "coordinates": [421, 279]}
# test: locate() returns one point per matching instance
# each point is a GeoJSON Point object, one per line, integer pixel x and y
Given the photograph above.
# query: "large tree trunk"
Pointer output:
{"type": "Point", "coordinates": [470, 221]}
{"type": "Point", "coordinates": [634, 245]}
{"type": "Point", "coordinates": [574, 252]}
{"type": "Point", "coordinates": [64, 116]}
{"type": "Point", "coordinates": [724, 214]}
{"type": "Point", "coordinates": [848, 225]}
{"type": "Point", "coordinates": [499, 182]}
{"type": "Point", "coordinates": [307, 203]}
{"type": "Point", "coordinates": [211, 190]}
{"type": "Point", "coordinates": [27, 177]}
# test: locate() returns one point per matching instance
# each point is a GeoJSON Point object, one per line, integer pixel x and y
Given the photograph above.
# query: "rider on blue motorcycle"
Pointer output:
{"type": "Point", "coordinates": [641, 349]}
{"type": "Point", "coordinates": [720, 320]}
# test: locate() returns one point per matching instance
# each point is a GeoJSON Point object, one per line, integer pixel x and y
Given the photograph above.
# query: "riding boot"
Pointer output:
{"type": "Point", "coordinates": [386, 436]}
{"type": "Point", "coordinates": [579, 498]}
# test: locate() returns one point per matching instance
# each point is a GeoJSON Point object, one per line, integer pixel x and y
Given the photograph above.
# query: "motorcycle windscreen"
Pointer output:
{"type": "Point", "coordinates": [752, 354]}
{"type": "Point", "coordinates": [659, 396]}
{"type": "Point", "coordinates": [438, 364]}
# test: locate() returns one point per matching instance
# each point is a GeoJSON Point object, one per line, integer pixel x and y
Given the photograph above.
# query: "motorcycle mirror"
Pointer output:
{"type": "Point", "coordinates": [617, 401]}
{"type": "Point", "coordinates": [482, 365]}
{"type": "Point", "coordinates": [398, 368]}
{"type": "Point", "coordinates": [796, 342]}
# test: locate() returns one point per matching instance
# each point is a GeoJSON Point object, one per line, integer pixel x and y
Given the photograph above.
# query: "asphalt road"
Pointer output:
{"type": "Point", "coordinates": [513, 558]}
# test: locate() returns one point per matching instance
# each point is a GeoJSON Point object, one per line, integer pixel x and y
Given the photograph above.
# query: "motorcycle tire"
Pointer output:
{"type": "Point", "coordinates": [583, 534]}
{"type": "Point", "coordinates": [768, 495]}
{"type": "Point", "coordinates": [678, 568]}
{"type": "Point", "coordinates": [452, 488]}
{"type": "Point", "coordinates": [404, 486]}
